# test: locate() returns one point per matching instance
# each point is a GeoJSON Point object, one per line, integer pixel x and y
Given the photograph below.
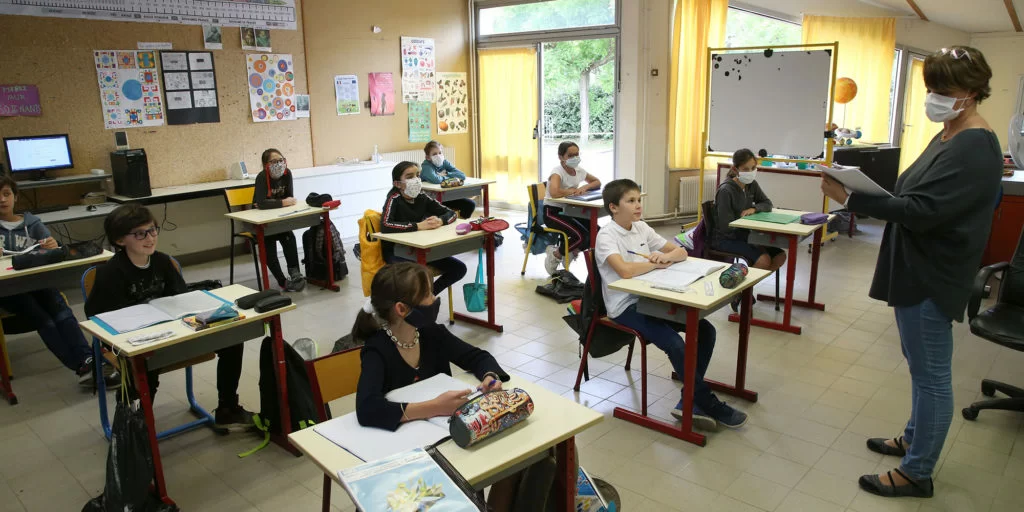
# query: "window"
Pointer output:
{"type": "Point", "coordinates": [546, 15]}
{"type": "Point", "coordinates": [745, 28]}
{"type": "Point", "coordinates": [893, 88]}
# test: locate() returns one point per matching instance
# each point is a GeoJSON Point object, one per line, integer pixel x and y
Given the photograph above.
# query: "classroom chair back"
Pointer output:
{"type": "Point", "coordinates": [239, 197]}
{"type": "Point", "coordinates": [535, 222]}
{"type": "Point", "coordinates": [242, 199]}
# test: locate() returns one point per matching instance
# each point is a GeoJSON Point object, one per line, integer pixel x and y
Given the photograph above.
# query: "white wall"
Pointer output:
{"type": "Point", "coordinates": [1005, 55]}
{"type": "Point", "coordinates": [928, 36]}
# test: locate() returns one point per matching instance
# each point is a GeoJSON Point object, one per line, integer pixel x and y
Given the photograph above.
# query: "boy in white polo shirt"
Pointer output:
{"type": "Point", "coordinates": [627, 248]}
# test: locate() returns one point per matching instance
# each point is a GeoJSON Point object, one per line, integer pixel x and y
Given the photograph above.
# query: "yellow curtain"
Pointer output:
{"type": "Point", "coordinates": [508, 115]}
{"type": "Point", "coordinates": [867, 47]}
{"type": "Point", "coordinates": [918, 130]}
{"type": "Point", "coordinates": [697, 26]}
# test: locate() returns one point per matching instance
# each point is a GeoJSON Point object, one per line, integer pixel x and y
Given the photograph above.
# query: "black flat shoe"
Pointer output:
{"type": "Point", "coordinates": [877, 445]}
{"type": "Point", "coordinates": [914, 489]}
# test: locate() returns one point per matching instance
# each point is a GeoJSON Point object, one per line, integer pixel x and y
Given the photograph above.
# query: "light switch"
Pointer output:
{"type": "Point", "coordinates": [654, 72]}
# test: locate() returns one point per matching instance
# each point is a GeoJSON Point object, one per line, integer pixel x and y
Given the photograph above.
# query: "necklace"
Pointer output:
{"type": "Point", "coordinates": [415, 340]}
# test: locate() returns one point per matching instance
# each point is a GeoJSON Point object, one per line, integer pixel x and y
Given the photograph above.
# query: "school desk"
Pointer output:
{"type": "Point", "coordinates": [186, 344]}
{"type": "Point", "coordinates": [471, 187]}
{"type": "Point", "coordinates": [282, 220]}
{"type": "Point", "coordinates": [554, 423]}
{"type": "Point", "coordinates": [435, 244]}
{"type": "Point", "coordinates": [786, 236]}
{"type": "Point", "coordinates": [589, 211]}
{"type": "Point", "coordinates": [689, 308]}
{"type": "Point", "coordinates": [14, 282]}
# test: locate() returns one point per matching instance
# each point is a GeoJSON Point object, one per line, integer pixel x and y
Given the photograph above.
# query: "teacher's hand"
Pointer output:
{"type": "Point", "coordinates": [834, 190]}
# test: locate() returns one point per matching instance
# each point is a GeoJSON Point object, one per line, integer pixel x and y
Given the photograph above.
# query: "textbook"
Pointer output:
{"type": "Point", "coordinates": [158, 311]}
{"type": "Point", "coordinates": [411, 481]}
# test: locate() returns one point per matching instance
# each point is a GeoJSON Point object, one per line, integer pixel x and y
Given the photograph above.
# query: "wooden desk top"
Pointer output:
{"type": "Point", "coordinates": [5, 264]}
{"type": "Point", "coordinates": [554, 419]}
{"type": "Point", "coordinates": [468, 183]}
{"type": "Point", "coordinates": [697, 298]}
{"type": "Point", "coordinates": [257, 216]}
{"type": "Point", "coordinates": [793, 228]}
{"type": "Point", "coordinates": [182, 333]}
{"type": "Point", "coordinates": [593, 203]}
{"type": "Point", "coordinates": [169, 193]}
{"type": "Point", "coordinates": [431, 238]}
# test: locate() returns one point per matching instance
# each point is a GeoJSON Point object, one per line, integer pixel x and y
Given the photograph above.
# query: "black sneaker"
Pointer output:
{"type": "Point", "coordinates": [725, 414]}
{"type": "Point", "coordinates": [232, 418]}
{"type": "Point", "coordinates": [111, 377]}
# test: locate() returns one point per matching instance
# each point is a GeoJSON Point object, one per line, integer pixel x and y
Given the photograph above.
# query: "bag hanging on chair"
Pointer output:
{"type": "Point", "coordinates": [475, 293]}
{"type": "Point", "coordinates": [371, 257]}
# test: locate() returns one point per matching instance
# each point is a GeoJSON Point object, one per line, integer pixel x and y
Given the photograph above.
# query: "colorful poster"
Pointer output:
{"type": "Point", "coordinates": [417, 69]}
{"type": "Point", "coordinates": [452, 103]}
{"type": "Point", "coordinates": [19, 100]}
{"type": "Point", "coordinates": [191, 87]}
{"type": "Point", "coordinates": [346, 92]}
{"type": "Point", "coordinates": [130, 91]}
{"type": "Point", "coordinates": [382, 94]}
{"type": "Point", "coordinates": [419, 121]}
{"type": "Point", "coordinates": [271, 86]}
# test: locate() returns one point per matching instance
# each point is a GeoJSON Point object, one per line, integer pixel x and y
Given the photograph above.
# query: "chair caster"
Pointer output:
{"type": "Point", "coordinates": [970, 413]}
{"type": "Point", "coordinates": [987, 389]}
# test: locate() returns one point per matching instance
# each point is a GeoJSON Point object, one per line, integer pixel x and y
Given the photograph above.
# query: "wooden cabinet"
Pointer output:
{"type": "Point", "coordinates": [1006, 230]}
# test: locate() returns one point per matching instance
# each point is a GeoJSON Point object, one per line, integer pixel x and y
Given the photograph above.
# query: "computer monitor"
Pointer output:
{"type": "Point", "coordinates": [38, 154]}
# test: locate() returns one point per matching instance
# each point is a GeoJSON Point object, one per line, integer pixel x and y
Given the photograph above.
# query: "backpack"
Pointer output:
{"type": "Point", "coordinates": [314, 252]}
{"type": "Point", "coordinates": [563, 287]}
{"type": "Point", "coordinates": [371, 256]}
{"type": "Point", "coordinates": [606, 340]}
{"type": "Point", "coordinates": [302, 410]}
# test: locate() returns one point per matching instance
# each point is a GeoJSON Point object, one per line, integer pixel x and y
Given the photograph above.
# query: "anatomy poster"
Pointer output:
{"type": "Point", "coordinates": [419, 121]}
{"type": "Point", "coordinates": [452, 103]}
{"type": "Point", "coordinates": [346, 93]}
{"type": "Point", "coordinates": [382, 94]}
{"type": "Point", "coordinates": [417, 69]}
{"type": "Point", "coordinates": [130, 92]}
{"type": "Point", "coordinates": [191, 87]}
{"type": "Point", "coordinates": [271, 86]}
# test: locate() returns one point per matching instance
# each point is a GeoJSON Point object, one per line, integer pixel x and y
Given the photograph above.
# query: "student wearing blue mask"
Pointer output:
{"type": "Point", "coordinates": [435, 169]}
{"type": "Point", "coordinates": [740, 196]}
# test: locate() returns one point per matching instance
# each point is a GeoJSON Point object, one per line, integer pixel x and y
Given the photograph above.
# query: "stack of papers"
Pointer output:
{"type": "Point", "coordinates": [853, 180]}
{"type": "Point", "coordinates": [164, 309]}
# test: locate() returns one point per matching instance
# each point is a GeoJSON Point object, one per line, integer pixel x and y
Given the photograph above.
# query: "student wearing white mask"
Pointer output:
{"type": "Point", "coordinates": [407, 209]}
{"type": "Point", "coordinates": [567, 179]}
{"type": "Point", "coordinates": [274, 190]}
{"type": "Point", "coordinates": [435, 169]}
{"type": "Point", "coordinates": [740, 196]}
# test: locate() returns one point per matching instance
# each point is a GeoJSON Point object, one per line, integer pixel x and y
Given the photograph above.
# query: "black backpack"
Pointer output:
{"type": "Point", "coordinates": [314, 252]}
{"type": "Point", "coordinates": [302, 410]}
{"type": "Point", "coordinates": [563, 287]}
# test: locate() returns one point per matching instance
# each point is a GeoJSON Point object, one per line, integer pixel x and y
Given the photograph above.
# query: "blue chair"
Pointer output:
{"type": "Point", "coordinates": [205, 418]}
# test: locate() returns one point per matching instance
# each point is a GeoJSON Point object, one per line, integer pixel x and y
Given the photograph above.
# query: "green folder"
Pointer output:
{"type": "Point", "coordinates": [774, 218]}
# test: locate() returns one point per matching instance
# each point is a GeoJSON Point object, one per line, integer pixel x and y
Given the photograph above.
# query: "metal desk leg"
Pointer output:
{"type": "Point", "coordinates": [565, 482]}
{"type": "Point", "coordinates": [812, 286]}
{"type": "Point", "coordinates": [261, 239]}
{"type": "Point", "coordinates": [594, 213]}
{"type": "Point", "coordinates": [487, 200]}
{"type": "Point", "coordinates": [787, 312]}
{"type": "Point", "coordinates": [5, 377]}
{"type": "Point", "coordinates": [739, 390]}
{"type": "Point", "coordinates": [141, 381]}
{"type": "Point", "coordinates": [282, 388]}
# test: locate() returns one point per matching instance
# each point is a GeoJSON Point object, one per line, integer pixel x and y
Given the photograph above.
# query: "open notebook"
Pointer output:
{"type": "Point", "coordinates": [681, 274]}
{"type": "Point", "coordinates": [157, 311]}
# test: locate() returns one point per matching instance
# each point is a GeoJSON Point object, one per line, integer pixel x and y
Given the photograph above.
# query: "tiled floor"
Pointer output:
{"type": "Point", "coordinates": [821, 395]}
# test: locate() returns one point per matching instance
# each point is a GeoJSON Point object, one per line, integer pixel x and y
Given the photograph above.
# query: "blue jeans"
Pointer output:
{"type": "Point", "coordinates": [452, 271]}
{"type": "Point", "coordinates": [927, 338]}
{"type": "Point", "coordinates": [56, 324]}
{"type": "Point", "coordinates": [665, 335]}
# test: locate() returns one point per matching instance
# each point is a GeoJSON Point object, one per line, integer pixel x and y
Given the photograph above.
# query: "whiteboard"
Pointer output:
{"type": "Point", "coordinates": [772, 102]}
{"type": "Point", "coordinates": [276, 14]}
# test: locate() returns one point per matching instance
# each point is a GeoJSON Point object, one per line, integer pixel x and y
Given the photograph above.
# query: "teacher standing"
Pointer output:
{"type": "Point", "coordinates": [935, 233]}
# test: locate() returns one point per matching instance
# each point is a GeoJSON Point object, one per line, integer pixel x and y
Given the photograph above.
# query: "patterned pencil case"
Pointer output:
{"type": "Point", "coordinates": [488, 415]}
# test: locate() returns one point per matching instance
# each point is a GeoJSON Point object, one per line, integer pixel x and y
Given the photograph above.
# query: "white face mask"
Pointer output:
{"type": "Point", "coordinates": [413, 186]}
{"type": "Point", "coordinates": [277, 170]}
{"type": "Point", "coordinates": [437, 160]}
{"type": "Point", "coordinates": [747, 178]}
{"type": "Point", "coordinates": [573, 162]}
{"type": "Point", "coordinates": [939, 108]}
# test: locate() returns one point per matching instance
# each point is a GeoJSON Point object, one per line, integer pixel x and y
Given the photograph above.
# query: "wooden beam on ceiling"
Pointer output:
{"type": "Point", "coordinates": [1013, 15]}
{"type": "Point", "coordinates": [920, 13]}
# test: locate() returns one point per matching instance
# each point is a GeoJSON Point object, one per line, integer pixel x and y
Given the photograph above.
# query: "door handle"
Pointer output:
{"type": "Point", "coordinates": [536, 130]}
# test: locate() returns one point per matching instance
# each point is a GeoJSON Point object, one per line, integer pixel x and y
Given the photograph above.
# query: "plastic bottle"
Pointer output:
{"type": "Point", "coordinates": [376, 155]}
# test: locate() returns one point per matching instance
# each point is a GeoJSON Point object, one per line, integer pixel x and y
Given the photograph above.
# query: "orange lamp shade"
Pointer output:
{"type": "Point", "coordinates": [846, 90]}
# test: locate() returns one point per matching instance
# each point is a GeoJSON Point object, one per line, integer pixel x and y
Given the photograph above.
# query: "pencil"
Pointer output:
{"type": "Point", "coordinates": [639, 254]}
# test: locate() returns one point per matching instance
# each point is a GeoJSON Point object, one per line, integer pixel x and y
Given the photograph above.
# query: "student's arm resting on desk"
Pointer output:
{"type": "Point", "coordinates": [260, 194]}
{"type": "Point", "coordinates": [429, 173]}
{"type": "Point", "coordinates": [761, 201]}
{"type": "Point", "coordinates": [452, 171]}
{"type": "Point", "coordinates": [39, 232]}
{"type": "Point", "coordinates": [593, 182]}
{"type": "Point", "coordinates": [373, 409]}
{"type": "Point", "coordinates": [388, 219]}
{"type": "Point", "coordinates": [436, 209]}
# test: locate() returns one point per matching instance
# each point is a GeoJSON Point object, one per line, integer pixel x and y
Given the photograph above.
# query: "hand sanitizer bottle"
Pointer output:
{"type": "Point", "coordinates": [376, 155]}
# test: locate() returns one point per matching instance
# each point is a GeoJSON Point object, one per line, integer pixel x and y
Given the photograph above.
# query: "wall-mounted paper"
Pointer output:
{"type": "Point", "coordinates": [19, 100]}
{"type": "Point", "coordinates": [174, 61]}
{"type": "Point", "coordinates": [198, 61]}
{"type": "Point", "coordinates": [179, 100]}
{"type": "Point", "coordinates": [417, 69]}
{"type": "Point", "coordinates": [419, 121]}
{"type": "Point", "coordinates": [301, 105]}
{"type": "Point", "coordinates": [452, 103]}
{"type": "Point", "coordinates": [205, 99]}
{"type": "Point", "coordinates": [346, 93]}
{"type": "Point", "coordinates": [212, 37]}
{"type": "Point", "coordinates": [271, 86]}
{"type": "Point", "coordinates": [382, 94]}
{"type": "Point", "coordinates": [202, 80]}
{"type": "Point", "coordinates": [130, 91]}
{"type": "Point", "coordinates": [176, 81]}
{"type": "Point", "coordinates": [194, 91]}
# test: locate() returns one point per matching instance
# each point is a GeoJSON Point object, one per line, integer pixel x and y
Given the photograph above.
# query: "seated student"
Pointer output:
{"type": "Point", "coordinates": [568, 179]}
{"type": "Point", "coordinates": [737, 197]}
{"type": "Point", "coordinates": [46, 310]}
{"type": "Point", "coordinates": [406, 209]}
{"type": "Point", "coordinates": [274, 190]}
{"type": "Point", "coordinates": [628, 247]}
{"type": "Point", "coordinates": [137, 274]}
{"type": "Point", "coordinates": [436, 169]}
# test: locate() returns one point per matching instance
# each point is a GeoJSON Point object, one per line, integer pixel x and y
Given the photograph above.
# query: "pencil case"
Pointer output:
{"type": "Point", "coordinates": [463, 228]}
{"type": "Point", "coordinates": [271, 303]}
{"type": "Point", "coordinates": [251, 300]}
{"type": "Point", "coordinates": [813, 218]}
{"type": "Point", "coordinates": [488, 415]}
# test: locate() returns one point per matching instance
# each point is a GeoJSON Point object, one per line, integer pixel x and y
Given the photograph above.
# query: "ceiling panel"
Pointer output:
{"type": "Point", "coordinates": [977, 16]}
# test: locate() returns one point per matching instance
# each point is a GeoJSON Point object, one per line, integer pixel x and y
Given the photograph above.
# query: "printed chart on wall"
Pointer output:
{"type": "Point", "coordinates": [382, 94]}
{"type": "Point", "coordinates": [419, 121]}
{"type": "Point", "coordinates": [346, 93]}
{"type": "Point", "coordinates": [190, 87]}
{"type": "Point", "coordinates": [417, 69]}
{"type": "Point", "coordinates": [278, 14]}
{"type": "Point", "coordinates": [130, 92]}
{"type": "Point", "coordinates": [452, 103]}
{"type": "Point", "coordinates": [271, 86]}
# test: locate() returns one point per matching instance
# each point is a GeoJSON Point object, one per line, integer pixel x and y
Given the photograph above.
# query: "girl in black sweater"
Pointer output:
{"type": "Point", "coordinates": [274, 190]}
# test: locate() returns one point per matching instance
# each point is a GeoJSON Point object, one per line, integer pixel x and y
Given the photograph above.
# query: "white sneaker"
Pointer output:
{"type": "Point", "coordinates": [572, 256]}
{"type": "Point", "coordinates": [550, 260]}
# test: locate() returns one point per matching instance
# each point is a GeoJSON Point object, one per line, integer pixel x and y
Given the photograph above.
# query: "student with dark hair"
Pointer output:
{"type": "Point", "coordinates": [435, 169]}
{"type": "Point", "coordinates": [45, 310]}
{"type": "Point", "coordinates": [621, 246]}
{"type": "Point", "coordinates": [406, 210]}
{"type": "Point", "coordinates": [274, 189]}
{"type": "Point", "coordinates": [567, 179]}
{"type": "Point", "coordinates": [137, 274]}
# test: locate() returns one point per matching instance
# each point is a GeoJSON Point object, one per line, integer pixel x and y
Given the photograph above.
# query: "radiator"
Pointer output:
{"type": "Point", "coordinates": [416, 156]}
{"type": "Point", "coordinates": [689, 192]}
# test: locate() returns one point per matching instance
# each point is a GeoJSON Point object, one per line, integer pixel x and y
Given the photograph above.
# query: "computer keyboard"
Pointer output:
{"type": "Point", "coordinates": [51, 208]}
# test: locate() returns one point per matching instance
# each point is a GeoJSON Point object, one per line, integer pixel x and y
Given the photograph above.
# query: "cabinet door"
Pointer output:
{"type": "Point", "coordinates": [1006, 230]}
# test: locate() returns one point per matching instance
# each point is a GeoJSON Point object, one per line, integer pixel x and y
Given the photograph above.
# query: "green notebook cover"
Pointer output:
{"type": "Point", "coordinates": [774, 218]}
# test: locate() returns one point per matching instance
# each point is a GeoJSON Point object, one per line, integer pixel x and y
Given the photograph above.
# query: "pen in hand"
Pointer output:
{"type": "Point", "coordinates": [639, 254]}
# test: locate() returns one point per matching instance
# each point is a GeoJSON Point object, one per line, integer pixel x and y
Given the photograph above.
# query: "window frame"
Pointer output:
{"type": "Point", "coordinates": [899, 102]}
{"type": "Point", "coordinates": [542, 36]}
{"type": "Point", "coordinates": [764, 13]}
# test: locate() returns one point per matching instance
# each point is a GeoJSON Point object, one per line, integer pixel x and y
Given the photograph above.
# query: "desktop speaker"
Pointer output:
{"type": "Point", "coordinates": [237, 171]}
{"type": "Point", "coordinates": [131, 173]}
